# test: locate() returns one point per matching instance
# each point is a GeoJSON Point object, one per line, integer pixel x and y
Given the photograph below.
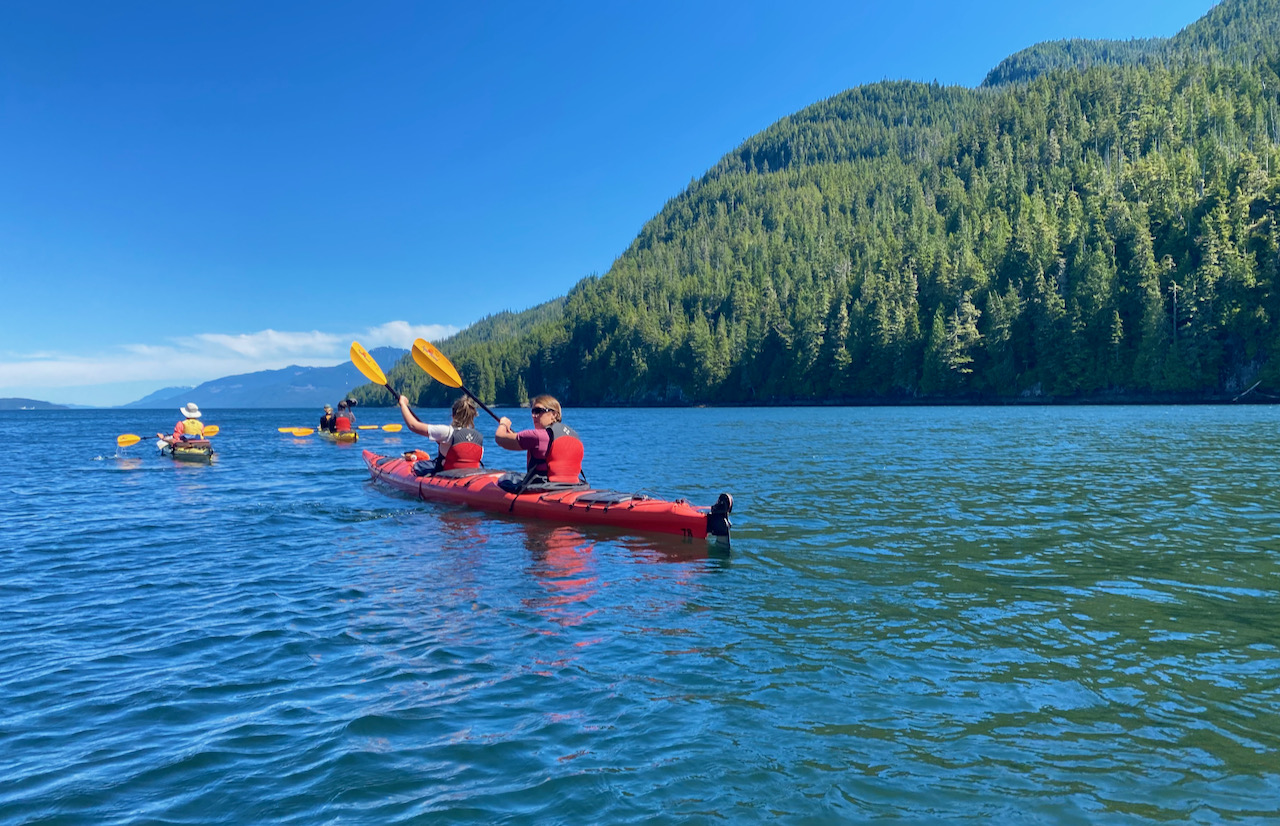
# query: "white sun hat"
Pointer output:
{"type": "Point", "coordinates": [190, 411]}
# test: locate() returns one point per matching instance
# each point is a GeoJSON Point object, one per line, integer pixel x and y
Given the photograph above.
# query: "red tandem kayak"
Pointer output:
{"type": "Point", "coordinates": [574, 506]}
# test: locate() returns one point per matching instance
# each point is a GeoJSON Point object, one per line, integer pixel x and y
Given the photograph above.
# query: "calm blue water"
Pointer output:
{"type": "Point", "coordinates": [963, 615]}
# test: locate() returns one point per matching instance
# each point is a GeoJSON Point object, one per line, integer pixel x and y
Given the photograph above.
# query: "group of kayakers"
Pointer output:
{"type": "Point", "coordinates": [344, 421]}
{"type": "Point", "coordinates": [553, 451]}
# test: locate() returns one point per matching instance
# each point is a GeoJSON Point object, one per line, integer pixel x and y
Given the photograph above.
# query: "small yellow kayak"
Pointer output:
{"type": "Point", "coordinates": [347, 437]}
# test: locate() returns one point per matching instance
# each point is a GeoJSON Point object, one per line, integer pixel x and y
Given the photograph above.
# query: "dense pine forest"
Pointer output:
{"type": "Point", "coordinates": [1094, 222]}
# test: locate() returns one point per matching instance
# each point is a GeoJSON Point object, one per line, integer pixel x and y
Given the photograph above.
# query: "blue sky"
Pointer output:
{"type": "Point", "coordinates": [191, 190]}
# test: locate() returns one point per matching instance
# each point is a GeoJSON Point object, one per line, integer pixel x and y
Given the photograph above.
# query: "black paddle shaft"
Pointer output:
{"type": "Point", "coordinates": [482, 404]}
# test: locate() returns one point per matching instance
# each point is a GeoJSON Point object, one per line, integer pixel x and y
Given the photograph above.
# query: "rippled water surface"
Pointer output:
{"type": "Point", "coordinates": [946, 614]}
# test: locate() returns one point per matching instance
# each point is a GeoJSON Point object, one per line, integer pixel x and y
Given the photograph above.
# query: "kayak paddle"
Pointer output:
{"type": "Point", "coordinates": [435, 365]}
{"type": "Point", "coordinates": [366, 427]}
{"type": "Point", "coordinates": [130, 439]}
{"type": "Point", "coordinates": [392, 428]}
{"type": "Point", "coordinates": [302, 431]}
{"type": "Point", "coordinates": [365, 364]}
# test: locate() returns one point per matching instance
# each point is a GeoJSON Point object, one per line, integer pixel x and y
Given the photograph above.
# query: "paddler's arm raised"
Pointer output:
{"type": "Point", "coordinates": [410, 420]}
{"type": "Point", "coordinates": [505, 436]}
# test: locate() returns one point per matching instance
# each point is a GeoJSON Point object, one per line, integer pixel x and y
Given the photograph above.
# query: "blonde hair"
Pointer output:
{"type": "Point", "coordinates": [548, 402]}
{"type": "Point", "coordinates": [464, 412]}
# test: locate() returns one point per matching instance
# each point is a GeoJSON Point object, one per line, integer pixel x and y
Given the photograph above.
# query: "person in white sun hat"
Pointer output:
{"type": "Point", "coordinates": [189, 429]}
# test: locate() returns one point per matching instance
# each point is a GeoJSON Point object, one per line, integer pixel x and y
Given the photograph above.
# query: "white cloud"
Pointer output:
{"type": "Point", "coordinates": [190, 361]}
{"type": "Point", "coordinates": [267, 343]}
{"type": "Point", "coordinates": [402, 333]}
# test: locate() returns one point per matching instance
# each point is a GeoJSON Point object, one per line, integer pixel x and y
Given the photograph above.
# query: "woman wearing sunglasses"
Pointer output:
{"type": "Point", "coordinates": [553, 448]}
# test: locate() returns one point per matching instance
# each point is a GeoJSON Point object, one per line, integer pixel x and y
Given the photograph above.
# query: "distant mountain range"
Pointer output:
{"type": "Point", "coordinates": [290, 387]}
{"type": "Point", "coordinates": [161, 397]}
{"type": "Point", "coordinates": [29, 404]}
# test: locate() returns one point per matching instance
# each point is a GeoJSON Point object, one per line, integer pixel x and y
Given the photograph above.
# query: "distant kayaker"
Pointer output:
{"type": "Point", "coordinates": [327, 421]}
{"type": "Point", "coordinates": [459, 445]}
{"type": "Point", "coordinates": [554, 449]}
{"type": "Point", "coordinates": [345, 421]}
{"type": "Point", "coordinates": [190, 429]}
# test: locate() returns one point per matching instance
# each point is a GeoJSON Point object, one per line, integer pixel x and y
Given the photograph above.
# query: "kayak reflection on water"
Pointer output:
{"type": "Point", "coordinates": [562, 560]}
{"type": "Point", "coordinates": [600, 582]}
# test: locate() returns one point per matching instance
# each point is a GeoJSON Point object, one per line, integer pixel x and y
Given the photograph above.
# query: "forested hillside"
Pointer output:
{"type": "Point", "coordinates": [1231, 30]}
{"type": "Point", "coordinates": [1083, 232]}
{"type": "Point", "coordinates": [1073, 54]}
{"type": "Point", "coordinates": [503, 344]}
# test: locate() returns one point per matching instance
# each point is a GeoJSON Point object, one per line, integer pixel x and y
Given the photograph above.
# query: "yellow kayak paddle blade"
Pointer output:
{"type": "Point", "coordinates": [128, 439]}
{"type": "Point", "coordinates": [211, 430]}
{"type": "Point", "coordinates": [434, 363]}
{"type": "Point", "coordinates": [365, 364]}
{"type": "Point", "coordinates": [392, 428]}
{"type": "Point", "coordinates": [303, 431]}
{"type": "Point", "coordinates": [437, 366]}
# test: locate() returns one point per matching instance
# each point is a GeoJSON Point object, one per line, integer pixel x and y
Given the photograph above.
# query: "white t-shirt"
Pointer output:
{"type": "Point", "coordinates": [442, 435]}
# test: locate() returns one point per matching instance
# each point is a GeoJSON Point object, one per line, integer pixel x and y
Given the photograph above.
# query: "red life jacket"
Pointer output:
{"type": "Point", "coordinates": [564, 456]}
{"type": "Point", "coordinates": [466, 450]}
{"type": "Point", "coordinates": [342, 424]}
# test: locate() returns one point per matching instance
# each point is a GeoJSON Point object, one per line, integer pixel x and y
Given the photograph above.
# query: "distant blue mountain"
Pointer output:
{"type": "Point", "coordinates": [164, 394]}
{"type": "Point", "coordinates": [29, 404]}
{"type": "Point", "coordinates": [290, 387]}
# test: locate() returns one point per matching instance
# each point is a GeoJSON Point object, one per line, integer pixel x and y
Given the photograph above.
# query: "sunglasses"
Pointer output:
{"type": "Point", "coordinates": [538, 411]}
